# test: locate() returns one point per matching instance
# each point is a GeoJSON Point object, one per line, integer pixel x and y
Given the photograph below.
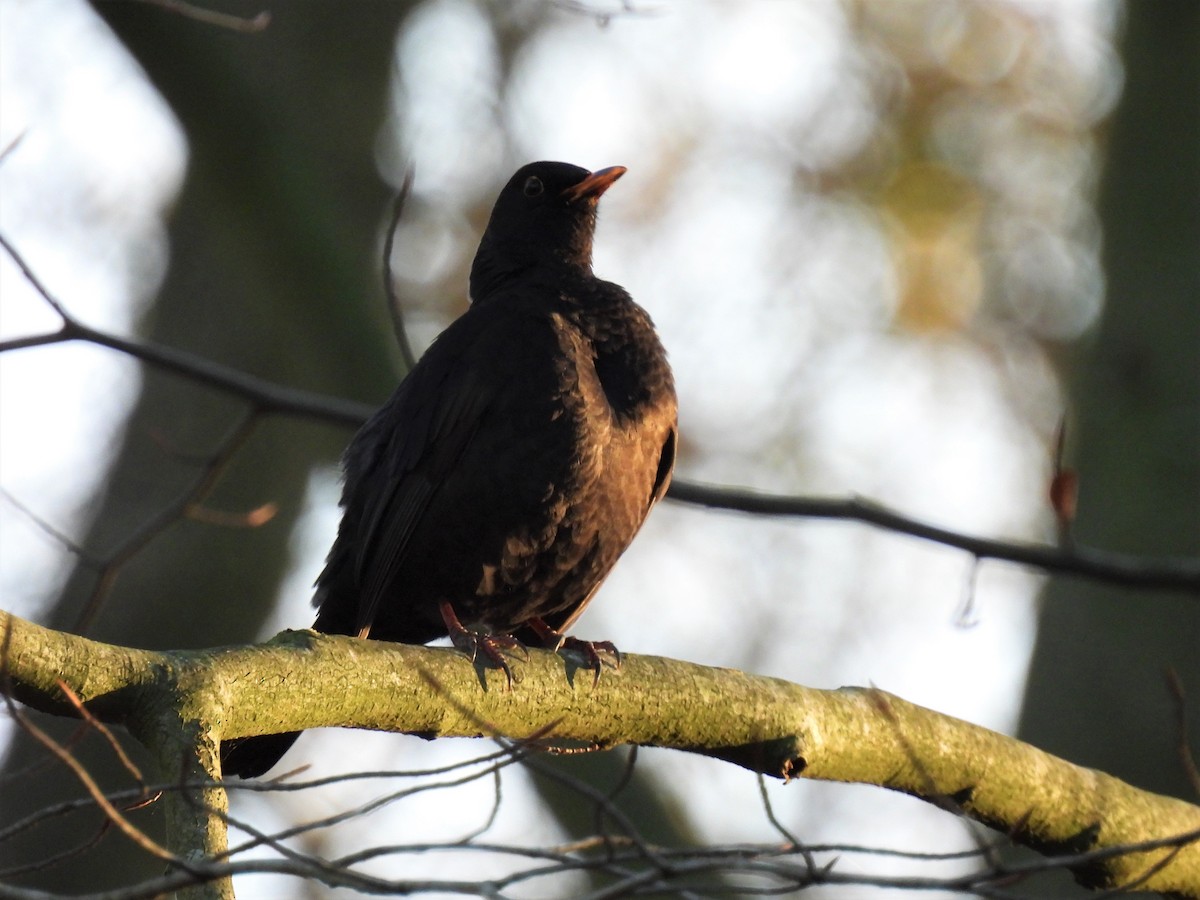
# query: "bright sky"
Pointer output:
{"type": "Point", "coordinates": [777, 296]}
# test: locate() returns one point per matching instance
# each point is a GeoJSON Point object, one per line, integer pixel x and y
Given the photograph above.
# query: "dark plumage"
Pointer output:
{"type": "Point", "coordinates": [519, 457]}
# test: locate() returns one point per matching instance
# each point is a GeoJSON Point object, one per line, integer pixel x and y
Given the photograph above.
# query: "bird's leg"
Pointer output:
{"type": "Point", "coordinates": [589, 650]}
{"type": "Point", "coordinates": [474, 641]}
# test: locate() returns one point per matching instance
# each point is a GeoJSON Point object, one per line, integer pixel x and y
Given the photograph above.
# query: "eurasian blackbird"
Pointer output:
{"type": "Point", "coordinates": [495, 489]}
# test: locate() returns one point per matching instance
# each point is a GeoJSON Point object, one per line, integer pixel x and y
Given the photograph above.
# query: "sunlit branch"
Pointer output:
{"type": "Point", "coordinates": [763, 724]}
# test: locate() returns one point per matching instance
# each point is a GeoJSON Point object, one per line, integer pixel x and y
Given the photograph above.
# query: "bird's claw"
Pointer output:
{"type": "Point", "coordinates": [492, 647]}
{"type": "Point", "coordinates": [555, 640]}
{"type": "Point", "coordinates": [595, 654]}
{"type": "Point", "coordinates": [476, 641]}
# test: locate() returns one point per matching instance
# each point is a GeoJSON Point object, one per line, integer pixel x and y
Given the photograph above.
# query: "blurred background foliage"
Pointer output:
{"type": "Point", "coordinates": [889, 246]}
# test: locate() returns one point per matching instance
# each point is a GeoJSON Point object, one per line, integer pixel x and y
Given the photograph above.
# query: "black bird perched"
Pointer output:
{"type": "Point", "coordinates": [495, 489]}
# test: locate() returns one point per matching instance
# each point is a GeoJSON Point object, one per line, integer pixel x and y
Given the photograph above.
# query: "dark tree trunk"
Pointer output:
{"type": "Point", "coordinates": [1097, 691]}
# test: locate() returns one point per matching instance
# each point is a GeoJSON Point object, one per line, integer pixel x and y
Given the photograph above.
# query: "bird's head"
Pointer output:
{"type": "Point", "coordinates": [544, 216]}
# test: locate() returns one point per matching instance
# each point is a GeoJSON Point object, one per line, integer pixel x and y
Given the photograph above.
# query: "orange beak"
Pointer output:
{"type": "Point", "coordinates": [594, 185]}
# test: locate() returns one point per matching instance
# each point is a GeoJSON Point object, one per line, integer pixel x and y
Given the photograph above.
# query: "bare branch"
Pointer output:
{"type": "Point", "coordinates": [245, 25]}
{"type": "Point", "coordinates": [1167, 574]}
{"type": "Point", "coordinates": [263, 395]}
{"type": "Point", "coordinates": [766, 725]}
{"type": "Point", "coordinates": [395, 306]}
{"type": "Point", "coordinates": [126, 763]}
{"type": "Point", "coordinates": [1187, 757]}
{"type": "Point", "coordinates": [186, 503]}
{"type": "Point", "coordinates": [1175, 574]}
{"type": "Point", "coordinates": [131, 831]}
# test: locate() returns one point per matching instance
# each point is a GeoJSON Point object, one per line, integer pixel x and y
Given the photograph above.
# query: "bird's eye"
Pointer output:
{"type": "Point", "coordinates": [533, 186]}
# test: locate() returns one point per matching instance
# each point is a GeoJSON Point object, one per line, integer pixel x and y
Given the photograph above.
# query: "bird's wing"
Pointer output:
{"type": "Point", "coordinates": [666, 465]}
{"type": "Point", "coordinates": [432, 421]}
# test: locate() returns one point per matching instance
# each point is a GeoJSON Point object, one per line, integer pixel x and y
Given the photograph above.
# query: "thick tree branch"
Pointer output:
{"type": "Point", "coordinates": [304, 680]}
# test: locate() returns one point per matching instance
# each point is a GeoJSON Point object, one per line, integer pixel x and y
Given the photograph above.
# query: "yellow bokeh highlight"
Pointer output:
{"type": "Point", "coordinates": [934, 216]}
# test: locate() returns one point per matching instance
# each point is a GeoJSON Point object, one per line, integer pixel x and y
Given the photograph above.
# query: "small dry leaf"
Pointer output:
{"type": "Point", "coordinates": [1064, 494]}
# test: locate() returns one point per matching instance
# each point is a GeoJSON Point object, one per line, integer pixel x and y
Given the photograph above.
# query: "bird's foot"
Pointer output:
{"type": "Point", "coordinates": [595, 653]}
{"type": "Point", "coordinates": [474, 642]}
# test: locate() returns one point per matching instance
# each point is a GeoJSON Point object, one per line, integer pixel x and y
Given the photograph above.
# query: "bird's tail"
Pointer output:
{"type": "Point", "coordinates": [250, 757]}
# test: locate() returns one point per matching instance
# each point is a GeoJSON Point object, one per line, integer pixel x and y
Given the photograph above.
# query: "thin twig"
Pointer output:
{"type": "Point", "coordinates": [86, 714]}
{"type": "Point", "coordinates": [1171, 573]}
{"type": "Point", "coordinates": [394, 305]}
{"type": "Point", "coordinates": [114, 815]}
{"type": "Point", "coordinates": [190, 497]}
{"type": "Point", "coordinates": [56, 535]}
{"type": "Point", "coordinates": [1187, 759]}
{"type": "Point", "coordinates": [59, 857]}
{"type": "Point", "coordinates": [242, 24]}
